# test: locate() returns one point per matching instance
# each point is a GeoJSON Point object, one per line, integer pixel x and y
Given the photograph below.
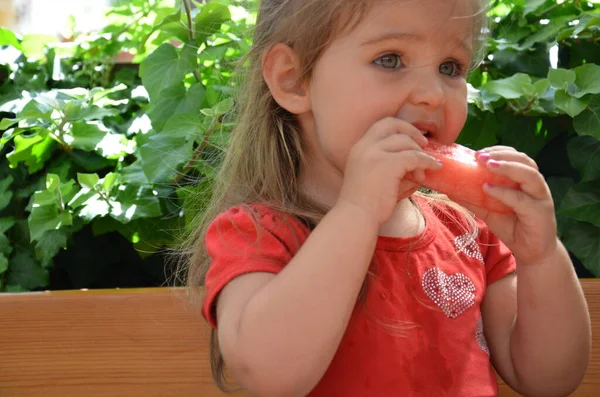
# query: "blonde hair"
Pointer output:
{"type": "Point", "coordinates": [266, 150]}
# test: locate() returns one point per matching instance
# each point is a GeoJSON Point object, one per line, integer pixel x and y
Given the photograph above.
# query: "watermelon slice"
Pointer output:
{"type": "Point", "coordinates": [462, 177]}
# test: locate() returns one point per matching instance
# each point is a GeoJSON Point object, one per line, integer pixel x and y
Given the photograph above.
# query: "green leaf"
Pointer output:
{"type": "Point", "coordinates": [48, 247]}
{"type": "Point", "coordinates": [7, 37]}
{"type": "Point", "coordinates": [92, 205]}
{"type": "Point", "coordinates": [583, 240]}
{"type": "Point", "coordinates": [91, 112]}
{"type": "Point", "coordinates": [162, 155]}
{"type": "Point", "coordinates": [7, 123]}
{"type": "Point", "coordinates": [541, 86]}
{"type": "Point", "coordinates": [35, 110]}
{"type": "Point", "coordinates": [547, 34]}
{"type": "Point", "coordinates": [6, 223]}
{"type": "Point", "coordinates": [98, 93]}
{"type": "Point", "coordinates": [134, 174]}
{"type": "Point", "coordinates": [223, 107]}
{"type": "Point", "coordinates": [45, 197]}
{"type": "Point", "coordinates": [559, 186]}
{"type": "Point", "coordinates": [87, 136]}
{"type": "Point", "coordinates": [588, 79]}
{"type": "Point", "coordinates": [588, 122]}
{"type": "Point", "coordinates": [5, 193]}
{"type": "Point", "coordinates": [209, 20]}
{"type": "Point", "coordinates": [561, 78]}
{"type": "Point", "coordinates": [13, 289]}
{"type": "Point", "coordinates": [90, 161]}
{"type": "Point", "coordinates": [5, 245]}
{"type": "Point", "coordinates": [82, 198]}
{"type": "Point", "coordinates": [509, 88]}
{"type": "Point", "coordinates": [34, 152]}
{"type": "Point", "coordinates": [521, 133]}
{"type": "Point", "coordinates": [88, 180]}
{"type": "Point", "coordinates": [33, 45]}
{"type": "Point", "coordinates": [24, 270]}
{"type": "Point", "coordinates": [173, 24]}
{"type": "Point", "coordinates": [109, 181]}
{"type": "Point", "coordinates": [165, 68]}
{"type": "Point", "coordinates": [183, 125]}
{"type": "Point", "coordinates": [582, 202]}
{"type": "Point", "coordinates": [55, 194]}
{"type": "Point", "coordinates": [176, 100]}
{"type": "Point", "coordinates": [584, 154]}
{"type": "Point", "coordinates": [480, 131]}
{"type": "Point", "coordinates": [569, 104]}
{"type": "Point", "coordinates": [45, 218]}
{"type": "Point", "coordinates": [3, 263]}
{"type": "Point", "coordinates": [134, 202]}
{"type": "Point", "coordinates": [532, 6]}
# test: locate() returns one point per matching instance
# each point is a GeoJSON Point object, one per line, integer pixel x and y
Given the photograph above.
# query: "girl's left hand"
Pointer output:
{"type": "Point", "coordinates": [530, 232]}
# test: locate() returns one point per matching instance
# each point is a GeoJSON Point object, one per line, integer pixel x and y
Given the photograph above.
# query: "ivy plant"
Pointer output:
{"type": "Point", "coordinates": [120, 131]}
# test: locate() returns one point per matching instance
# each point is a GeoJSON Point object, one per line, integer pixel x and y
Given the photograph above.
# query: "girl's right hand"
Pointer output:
{"type": "Point", "coordinates": [378, 162]}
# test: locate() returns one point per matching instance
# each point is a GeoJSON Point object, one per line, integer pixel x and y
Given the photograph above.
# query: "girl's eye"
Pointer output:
{"type": "Point", "coordinates": [451, 68]}
{"type": "Point", "coordinates": [389, 61]}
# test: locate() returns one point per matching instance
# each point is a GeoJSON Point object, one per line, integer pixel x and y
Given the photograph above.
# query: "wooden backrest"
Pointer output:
{"type": "Point", "coordinates": [137, 342]}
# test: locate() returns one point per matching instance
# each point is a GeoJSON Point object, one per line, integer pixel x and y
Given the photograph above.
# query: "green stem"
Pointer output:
{"type": "Point", "coordinates": [188, 12]}
{"type": "Point", "coordinates": [104, 198]}
{"type": "Point", "coordinates": [191, 32]}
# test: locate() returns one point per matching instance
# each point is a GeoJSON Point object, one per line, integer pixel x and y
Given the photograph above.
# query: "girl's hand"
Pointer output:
{"type": "Point", "coordinates": [378, 162]}
{"type": "Point", "coordinates": [530, 232]}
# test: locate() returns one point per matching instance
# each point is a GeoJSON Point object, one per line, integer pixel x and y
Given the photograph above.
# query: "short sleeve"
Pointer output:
{"type": "Point", "coordinates": [244, 240]}
{"type": "Point", "coordinates": [498, 258]}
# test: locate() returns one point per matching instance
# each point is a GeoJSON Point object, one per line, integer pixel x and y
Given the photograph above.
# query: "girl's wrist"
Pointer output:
{"type": "Point", "coordinates": [551, 257]}
{"type": "Point", "coordinates": [357, 213]}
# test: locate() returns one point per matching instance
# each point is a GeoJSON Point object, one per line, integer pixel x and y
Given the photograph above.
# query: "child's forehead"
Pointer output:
{"type": "Point", "coordinates": [419, 18]}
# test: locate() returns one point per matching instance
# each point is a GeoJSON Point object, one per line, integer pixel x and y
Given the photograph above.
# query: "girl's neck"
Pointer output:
{"type": "Point", "coordinates": [407, 220]}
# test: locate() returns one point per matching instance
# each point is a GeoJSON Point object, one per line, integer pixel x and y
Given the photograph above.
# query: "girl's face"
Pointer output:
{"type": "Point", "coordinates": [406, 59]}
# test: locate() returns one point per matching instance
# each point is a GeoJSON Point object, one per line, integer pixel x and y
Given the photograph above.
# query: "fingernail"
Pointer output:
{"type": "Point", "coordinates": [494, 163]}
{"type": "Point", "coordinates": [484, 157]}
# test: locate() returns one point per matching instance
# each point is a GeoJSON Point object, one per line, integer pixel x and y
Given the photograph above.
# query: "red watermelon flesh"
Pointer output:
{"type": "Point", "coordinates": [462, 177]}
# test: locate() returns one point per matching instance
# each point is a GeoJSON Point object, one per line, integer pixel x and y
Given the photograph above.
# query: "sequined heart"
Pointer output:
{"type": "Point", "coordinates": [453, 294]}
{"type": "Point", "coordinates": [468, 245]}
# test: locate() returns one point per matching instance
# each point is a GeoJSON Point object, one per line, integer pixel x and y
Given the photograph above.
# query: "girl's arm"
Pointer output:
{"type": "Point", "coordinates": [539, 330]}
{"type": "Point", "coordinates": [537, 322]}
{"type": "Point", "coordinates": [278, 334]}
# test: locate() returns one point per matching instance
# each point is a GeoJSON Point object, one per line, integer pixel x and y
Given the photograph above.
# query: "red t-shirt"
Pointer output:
{"type": "Point", "coordinates": [419, 331]}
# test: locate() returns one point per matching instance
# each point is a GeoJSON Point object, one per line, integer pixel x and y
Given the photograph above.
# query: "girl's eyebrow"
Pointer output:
{"type": "Point", "coordinates": [405, 36]}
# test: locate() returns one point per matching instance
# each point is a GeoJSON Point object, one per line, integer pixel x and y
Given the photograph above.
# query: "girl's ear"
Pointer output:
{"type": "Point", "coordinates": [281, 71]}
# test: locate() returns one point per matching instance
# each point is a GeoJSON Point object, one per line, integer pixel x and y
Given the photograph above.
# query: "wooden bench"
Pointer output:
{"type": "Point", "coordinates": [137, 342]}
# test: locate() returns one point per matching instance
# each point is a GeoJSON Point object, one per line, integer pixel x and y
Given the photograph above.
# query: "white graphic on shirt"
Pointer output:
{"type": "Point", "coordinates": [480, 337]}
{"type": "Point", "coordinates": [468, 245]}
{"type": "Point", "coordinates": [453, 294]}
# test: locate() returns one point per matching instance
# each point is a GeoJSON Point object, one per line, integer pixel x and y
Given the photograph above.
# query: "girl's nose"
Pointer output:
{"type": "Point", "coordinates": [427, 90]}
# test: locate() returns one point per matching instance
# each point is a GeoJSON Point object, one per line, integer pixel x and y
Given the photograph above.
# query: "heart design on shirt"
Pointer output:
{"type": "Point", "coordinates": [468, 245]}
{"type": "Point", "coordinates": [452, 293]}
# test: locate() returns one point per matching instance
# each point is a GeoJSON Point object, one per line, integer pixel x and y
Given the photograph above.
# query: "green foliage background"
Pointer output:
{"type": "Point", "coordinates": [104, 162]}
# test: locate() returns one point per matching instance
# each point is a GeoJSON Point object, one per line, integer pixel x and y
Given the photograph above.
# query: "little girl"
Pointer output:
{"type": "Point", "coordinates": [326, 272]}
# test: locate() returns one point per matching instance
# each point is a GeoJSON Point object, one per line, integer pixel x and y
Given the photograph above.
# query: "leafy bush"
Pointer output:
{"type": "Point", "coordinates": [106, 161]}
{"type": "Point", "coordinates": [95, 148]}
